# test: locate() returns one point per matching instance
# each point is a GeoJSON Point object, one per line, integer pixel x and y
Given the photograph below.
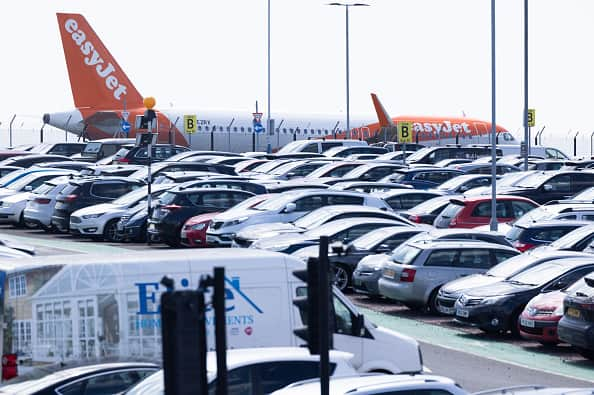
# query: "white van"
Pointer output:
{"type": "Point", "coordinates": [318, 146]}
{"type": "Point", "coordinates": [97, 307]}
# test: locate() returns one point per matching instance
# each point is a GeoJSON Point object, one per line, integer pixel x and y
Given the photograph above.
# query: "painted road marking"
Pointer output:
{"type": "Point", "coordinates": [499, 351]}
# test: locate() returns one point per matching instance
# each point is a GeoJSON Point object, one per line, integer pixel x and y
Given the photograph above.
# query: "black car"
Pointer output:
{"type": "Point", "coordinates": [30, 160]}
{"type": "Point", "coordinates": [546, 186]}
{"type": "Point", "coordinates": [576, 327]}
{"type": "Point", "coordinates": [161, 167]}
{"type": "Point", "coordinates": [405, 199]}
{"type": "Point", "coordinates": [526, 236]}
{"type": "Point", "coordinates": [496, 307]}
{"type": "Point", "coordinates": [86, 192]}
{"type": "Point", "coordinates": [133, 224]}
{"type": "Point", "coordinates": [451, 291]}
{"type": "Point", "coordinates": [108, 378]}
{"type": "Point", "coordinates": [426, 212]}
{"type": "Point", "coordinates": [177, 206]}
{"type": "Point", "coordinates": [139, 155]}
{"type": "Point", "coordinates": [345, 230]}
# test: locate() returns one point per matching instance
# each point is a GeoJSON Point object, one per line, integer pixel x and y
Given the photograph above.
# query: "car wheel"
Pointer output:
{"type": "Point", "coordinates": [584, 352]}
{"type": "Point", "coordinates": [432, 303]}
{"type": "Point", "coordinates": [341, 277]}
{"type": "Point", "coordinates": [514, 323]}
{"type": "Point", "coordinates": [110, 232]}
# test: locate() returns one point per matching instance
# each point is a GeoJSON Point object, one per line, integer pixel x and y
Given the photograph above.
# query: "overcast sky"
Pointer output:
{"type": "Point", "coordinates": [429, 57]}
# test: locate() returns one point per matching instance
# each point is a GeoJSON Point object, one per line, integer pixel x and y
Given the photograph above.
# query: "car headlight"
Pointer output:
{"type": "Point", "coordinates": [199, 226]}
{"type": "Point", "coordinates": [5, 204]}
{"type": "Point", "coordinates": [91, 216]}
{"type": "Point", "coordinates": [236, 221]}
{"type": "Point", "coordinates": [493, 299]}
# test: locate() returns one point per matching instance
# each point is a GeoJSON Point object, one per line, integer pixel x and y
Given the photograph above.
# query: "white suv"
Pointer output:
{"type": "Point", "coordinates": [285, 207]}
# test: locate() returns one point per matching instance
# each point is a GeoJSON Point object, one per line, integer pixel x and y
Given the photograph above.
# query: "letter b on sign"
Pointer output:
{"type": "Point", "coordinates": [190, 124]}
{"type": "Point", "coordinates": [404, 132]}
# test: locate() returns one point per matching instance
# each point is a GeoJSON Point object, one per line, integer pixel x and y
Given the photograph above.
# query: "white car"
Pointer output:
{"type": "Point", "coordinates": [7, 252]}
{"type": "Point", "coordinates": [258, 370]}
{"type": "Point", "coordinates": [40, 206]}
{"type": "Point", "coordinates": [32, 181]}
{"type": "Point", "coordinates": [11, 209]}
{"type": "Point", "coordinates": [286, 207]}
{"type": "Point", "coordinates": [379, 384]}
{"type": "Point", "coordinates": [101, 220]}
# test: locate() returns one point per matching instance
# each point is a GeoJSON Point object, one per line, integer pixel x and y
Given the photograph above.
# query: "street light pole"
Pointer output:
{"type": "Point", "coordinates": [348, 110]}
{"type": "Point", "coordinates": [268, 129]}
{"type": "Point", "coordinates": [493, 223]}
{"type": "Point", "coordinates": [526, 126]}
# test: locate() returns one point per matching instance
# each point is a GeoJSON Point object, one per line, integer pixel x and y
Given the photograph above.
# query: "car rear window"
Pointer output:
{"type": "Point", "coordinates": [405, 254]}
{"type": "Point", "coordinates": [69, 189]}
{"type": "Point", "coordinates": [514, 233]}
{"type": "Point", "coordinates": [451, 210]}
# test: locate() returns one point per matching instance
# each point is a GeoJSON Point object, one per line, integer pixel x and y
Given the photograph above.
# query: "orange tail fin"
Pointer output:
{"type": "Point", "coordinates": [96, 79]}
{"type": "Point", "coordinates": [382, 115]}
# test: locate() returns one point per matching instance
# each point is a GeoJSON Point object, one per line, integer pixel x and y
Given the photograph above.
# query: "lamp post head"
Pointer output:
{"type": "Point", "coordinates": [149, 102]}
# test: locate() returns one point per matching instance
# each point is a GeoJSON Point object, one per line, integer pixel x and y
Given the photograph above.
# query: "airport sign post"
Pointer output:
{"type": "Point", "coordinates": [125, 126]}
{"type": "Point", "coordinates": [404, 136]}
{"type": "Point", "coordinates": [190, 126]}
{"type": "Point", "coordinates": [149, 103]}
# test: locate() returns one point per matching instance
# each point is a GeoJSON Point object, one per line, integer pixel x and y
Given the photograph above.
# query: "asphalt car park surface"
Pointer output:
{"type": "Point", "coordinates": [475, 359]}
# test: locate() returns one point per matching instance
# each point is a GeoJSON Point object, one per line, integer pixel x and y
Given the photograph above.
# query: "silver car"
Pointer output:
{"type": "Point", "coordinates": [417, 270]}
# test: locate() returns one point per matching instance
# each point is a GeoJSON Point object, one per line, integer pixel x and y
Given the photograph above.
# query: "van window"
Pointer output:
{"type": "Point", "coordinates": [312, 147]}
{"type": "Point", "coordinates": [442, 258]}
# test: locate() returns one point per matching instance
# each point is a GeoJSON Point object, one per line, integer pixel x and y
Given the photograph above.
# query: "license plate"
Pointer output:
{"type": "Point", "coordinates": [446, 310]}
{"type": "Point", "coordinates": [527, 323]}
{"type": "Point", "coordinates": [389, 273]}
{"type": "Point", "coordinates": [462, 313]}
{"type": "Point", "coordinates": [575, 313]}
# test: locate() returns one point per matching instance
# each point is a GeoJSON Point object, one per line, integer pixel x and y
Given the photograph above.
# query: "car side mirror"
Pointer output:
{"type": "Point", "coordinates": [290, 207]}
{"type": "Point", "coordinates": [358, 325]}
{"type": "Point", "coordinates": [382, 249]}
{"type": "Point", "coordinates": [547, 187]}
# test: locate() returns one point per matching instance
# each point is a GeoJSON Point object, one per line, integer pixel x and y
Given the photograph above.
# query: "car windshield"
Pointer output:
{"type": "Point", "coordinates": [510, 179]}
{"type": "Point", "coordinates": [294, 146]}
{"type": "Point", "coordinates": [371, 239]}
{"type": "Point", "coordinates": [282, 169]}
{"type": "Point", "coordinates": [455, 182]}
{"type": "Point", "coordinates": [511, 266]}
{"type": "Point", "coordinates": [250, 202]}
{"type": "Point", "coordinates": [23, 182]}
{"type": "Point", "coordinates": [11, 176]}
{"type": "Point", "coordinates": [266, 167]}
{"type": "Point", "coordinates": [572, 238]}
{"type": "Point", "coordinates": [44, 188]}
{"type": "Point", "coordinates": [131, 197]}
{"type": "Point", "coordinates": [358, 171]}
{"type": "Point", "coordinates": [92, 148]}
{"type": "Point", "coordinates": [533, 180]}
{"type": "Point", "coordinates": [275, 203]}
{"type": "Point", "coordinates": [143, 173]}
{"type": "Point", "coordinates": [328, 229]}
{"type": "Point", "coordinates": [420, 154]}
{"type": "Point", "coordinates": [540, 274]}
{"type": "Point", "coordinates": [430, 205]}
{"type": "Point", "coordinates": [405, 254]}
{"type": "Point", "coordinates": [315, 218]}
{"type": "Point", "coordinates": [538, 214]}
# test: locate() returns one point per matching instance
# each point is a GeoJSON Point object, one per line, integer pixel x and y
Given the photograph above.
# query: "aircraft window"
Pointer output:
{"type": "Point", "coordinates": [235, 128]}
{"type": "Point", "coordinates": [199, 127]}
{"type": "Point", "coordinates": [291, 130]}
{"type": "Point", "coordinates": [319, 131]}
{"type": "Point", "coordinates": [241, 128]}
{"type": "Point", "coordinates": [220, 128]}
{"type": "Point", "coordinates": [206, 128]}
{"type": "Point", "coordinates": [304, 130]}
{"type": "Point", "coordinates": [326, 131]}
{"type": "Point", "coordinates": [249, 129]}
{"type": "Point", "coordinates": [284, 130]}
{"type": "Point", "coordinates": [228, 129]}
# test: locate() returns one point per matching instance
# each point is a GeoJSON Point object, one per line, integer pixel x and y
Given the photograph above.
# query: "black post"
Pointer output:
{"type": "Point", "coordinates": [575, 144]}
{"type": "Point", "coordinates": [149, 185]}
{"type": "Point", "coordinates": [41, 133]}
{"type": "Point", "coordinates": [323, 311]}
{"type": "Point", "coordinates": [220, 331]}
{"type": "Point", "coordinates": [457, 138]}
{"type": "Point", "coordinates": [212, 138]}
{"type": "Point", "coordinates": [253, 141]}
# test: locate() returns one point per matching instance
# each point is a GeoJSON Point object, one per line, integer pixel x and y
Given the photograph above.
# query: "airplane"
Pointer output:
{"type": "Point", "coordinates": [104, 97]}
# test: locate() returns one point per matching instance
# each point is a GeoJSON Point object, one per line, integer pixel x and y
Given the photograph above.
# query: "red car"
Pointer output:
{"type": "Point", "coordinates": [473, 211]}
{"type": "Point", "coordinates": [193, 233]}
{"type": "Point", "coordinates": [541, 316]}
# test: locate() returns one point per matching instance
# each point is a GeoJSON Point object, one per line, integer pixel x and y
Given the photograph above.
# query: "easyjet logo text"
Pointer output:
{"type": "Point", "coordinates": [441, 127]}
{"type": "Point", "coordinates": [94, 59]}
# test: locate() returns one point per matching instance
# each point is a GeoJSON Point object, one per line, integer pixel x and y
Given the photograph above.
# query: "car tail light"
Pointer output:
{"type": "Point", "coordinates": [171, 207]}
{"type": "Point", "coordinates": [124, 160]}
{"type": "Point", "coordinates": [408, 275]}
{"type": "Point", "coordinates": [522, 247]}
{"type": "Point", "coordinates": [42, 200]}
{"type": "Point", "coordinates": [415, 219]}
{"type": "Point", "coordinates": [70, 198]}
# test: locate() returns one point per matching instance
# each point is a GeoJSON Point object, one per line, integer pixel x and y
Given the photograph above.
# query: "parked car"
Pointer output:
{"type": "Point", "coordinates": [546, 186]}
{"type": "Point", "coordinates": [427, 211]}
{"type": "Point", "coordinates": [233, 184]}
{"type": "Point", "coordinates": [30, 160]}
{"type": "Point", "coordinates": [527, 236]}
{"type": "Point", "coordinates": [102, 148]}
{"type": "Point", "coordinates": [87, 192]}
{"type": "Point", "coordinates": [416, 270]}
{"type": "Point", "coordinates": [247, 235]}
{"type": "Point", "coordinates": [291, 170]}
{"type": "Point", "coordinates": [193, 233]}
{"type": "Point", "coordinates": [576, 327]}
{"type": "Point", "coordinates": [138, 155]}
{"type": "Point", "coordinates": [318, 146]}
{"type": "Point", "coordinates": [40, 205]}
{"type": "Point", "coordinates": [132, 225]}
{"type": "Point", "coordinates": [432, 155]}
{"type": "Point", "coordinates": [343, 230]}
{"type": "Point", "coordinates": [259, 370]}
{"type": "Point", "coordinates": [100, 220]}
{"type": "Point", "coordinates": [111, 170]}
{"type": "Point", "coordinates": [422, 177]}
{"type": "Point", "coordinates": [473, 211]}
{"type": "Point", "coordinates": [31, 181]}
{"type": "Point", "coordinates": [248, 165]}
{"type": "Point", "coordinates": [451, 291]}
{"type": "Point", "coordinates": [175, 207]}
{"type": "Point", "coordinates": [107, 378]}
{"type": "Point", "coordinates": [540, 318]}
{"type": "Point", "coordinates": [579, 239]}
{"type": "Point", "coordinates": [566, 210]}
{"type": "Point", "coordinates": [497, 307]}
{"type": "Point", "coordinates": [66, 149]}
{"type": "Point", "coordinates": [462, 183]}
{"type": "Point", "coordinates": [286, 207]}
{"type": "Point", "coordinates": [345, 257]}
{"type": "Point", "coordinates": [405, 199]}
{"type": "Point", "coordinates": [463, 234]}
{"type": "Point", "coordinates": [379, 384]}
{"type": "Point", "coordinates": [504, 181]}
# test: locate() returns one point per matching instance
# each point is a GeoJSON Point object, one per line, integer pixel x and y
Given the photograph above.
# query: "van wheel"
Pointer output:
{"type": "Point", "coordinates": [110, 232]}
{"type": "Point", "coordinates": [342, 277]}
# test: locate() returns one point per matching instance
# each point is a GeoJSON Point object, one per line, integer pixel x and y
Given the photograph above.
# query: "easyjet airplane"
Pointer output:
{"type": "Point", "coordinates": [103, 94]}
